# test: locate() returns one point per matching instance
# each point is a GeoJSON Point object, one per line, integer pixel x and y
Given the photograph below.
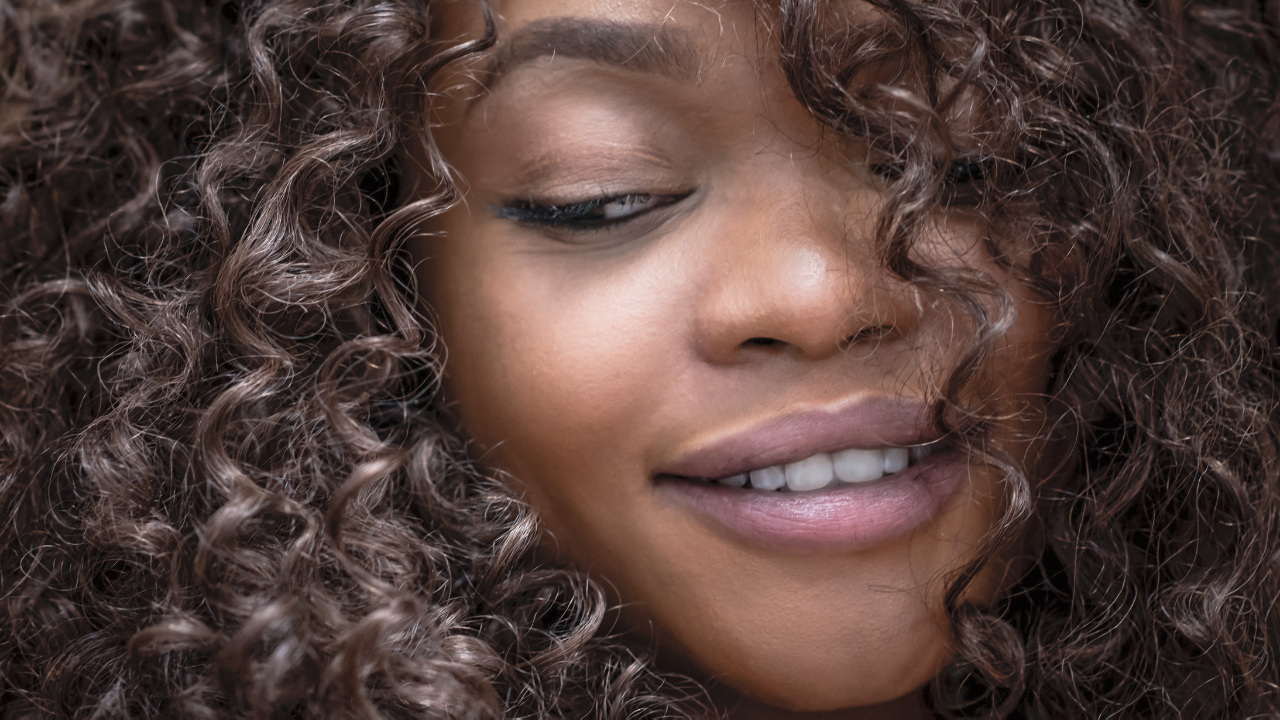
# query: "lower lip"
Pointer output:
{"type": "Point", "coordinates": [849, 517]}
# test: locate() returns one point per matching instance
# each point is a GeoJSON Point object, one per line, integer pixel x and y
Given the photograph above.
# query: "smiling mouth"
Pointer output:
{"type": "Point", "coordinates": [820, 471]}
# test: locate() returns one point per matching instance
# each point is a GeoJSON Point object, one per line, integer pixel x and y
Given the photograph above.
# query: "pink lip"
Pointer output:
{"type": "Point", "coordinates": [867, 422]}
{"type": "Point", "coordinates": [848, 517]}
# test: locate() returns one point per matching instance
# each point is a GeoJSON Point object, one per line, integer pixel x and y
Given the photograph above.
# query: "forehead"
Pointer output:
{"type": "Point", "coordinates": [659, 48]}
{"type": "Point", "coordinates": [683, 39]}
{"type": "Point", "coordinates": [670, 36]}
{"type": "Point", "coordinates": [676, 39]}
{"type": "Point", "coordinates": [459, 17]}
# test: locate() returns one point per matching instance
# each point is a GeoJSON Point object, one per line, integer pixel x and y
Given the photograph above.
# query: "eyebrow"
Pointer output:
{"type": "Point", "coordinates": [642, 47]}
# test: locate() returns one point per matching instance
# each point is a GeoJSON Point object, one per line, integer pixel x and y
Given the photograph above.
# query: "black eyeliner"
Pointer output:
{"type": "Point", "coordinates": [962, 171]}
{"type": "Point", "coordinates": [580, 215]}
{"type": "Point", "coordinates": [555, 215]}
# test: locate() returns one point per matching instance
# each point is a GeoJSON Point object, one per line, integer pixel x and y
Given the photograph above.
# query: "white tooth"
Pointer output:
{"type": "Point", "coordinates": [770, 478]}
{"type": "Point", "coordinates": [855, 466]}
{"type": "Point", "coordinates": [896, 460]}
{"type": "Point", "coordinates": [809, 474]}
{"type": "Point", "coordinates": [735, 480]}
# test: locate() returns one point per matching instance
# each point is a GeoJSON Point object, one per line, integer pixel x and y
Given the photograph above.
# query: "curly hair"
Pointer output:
{"type": "Point", "coordinates": [228, 486]}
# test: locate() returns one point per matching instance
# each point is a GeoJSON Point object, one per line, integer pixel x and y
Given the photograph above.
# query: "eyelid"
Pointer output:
{"type": "Point", "coordinates": [571, 217]}
{"type": "Point", "coordinates": [967, 170]}
{"type": "Point", "coordinates": [963, 170]}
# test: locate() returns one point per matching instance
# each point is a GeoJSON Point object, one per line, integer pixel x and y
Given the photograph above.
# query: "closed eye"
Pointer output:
{"type": "Point", "coordinates": [964, 171]}
{"type": "Point", "coordinates": [593, 214]}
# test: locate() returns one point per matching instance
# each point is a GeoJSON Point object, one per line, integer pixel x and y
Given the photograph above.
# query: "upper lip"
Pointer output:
{"type": "Point", "coordinates": [861, 422]}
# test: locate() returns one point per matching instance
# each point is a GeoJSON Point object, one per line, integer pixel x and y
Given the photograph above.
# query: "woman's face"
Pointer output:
{"type": "Point", "coordinates": [660, 286]}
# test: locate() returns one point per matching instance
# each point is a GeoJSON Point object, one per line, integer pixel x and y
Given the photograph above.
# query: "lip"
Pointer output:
{"type": "Point", "coordinates": [862, 422]}
{"type": "Point", "coordinates": [848, 517]}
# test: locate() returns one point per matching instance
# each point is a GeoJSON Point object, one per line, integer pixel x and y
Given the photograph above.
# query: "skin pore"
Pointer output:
{"type": "Point", "coordinates": [658, 254]}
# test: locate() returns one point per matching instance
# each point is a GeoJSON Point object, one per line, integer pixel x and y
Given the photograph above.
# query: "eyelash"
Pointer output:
{"type": "Point", "coordinates": [961, 172]}
{"type": "Point", "coordinates": [593, 214]}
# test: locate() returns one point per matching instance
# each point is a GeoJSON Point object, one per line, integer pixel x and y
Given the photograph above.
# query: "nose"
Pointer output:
{"type": "Point", "coordinates": [793, 272]}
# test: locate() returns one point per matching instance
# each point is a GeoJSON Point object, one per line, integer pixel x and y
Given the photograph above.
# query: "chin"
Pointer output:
{"type": "Point", "coordinates": [797, 678]}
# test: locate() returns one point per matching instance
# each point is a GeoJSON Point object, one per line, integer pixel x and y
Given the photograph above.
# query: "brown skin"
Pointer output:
{"type": "Point", "coordinates": [582, 362]}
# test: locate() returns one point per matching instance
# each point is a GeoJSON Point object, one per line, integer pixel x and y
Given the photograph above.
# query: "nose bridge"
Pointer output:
{"type": "Point", "coordinates": [792, 270]}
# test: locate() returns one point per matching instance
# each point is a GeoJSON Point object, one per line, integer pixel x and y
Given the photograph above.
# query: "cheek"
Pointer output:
{"type": "Point", "coordinates": [563, 374]}
{"type": "Point", "coordinates": [549, 371]}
